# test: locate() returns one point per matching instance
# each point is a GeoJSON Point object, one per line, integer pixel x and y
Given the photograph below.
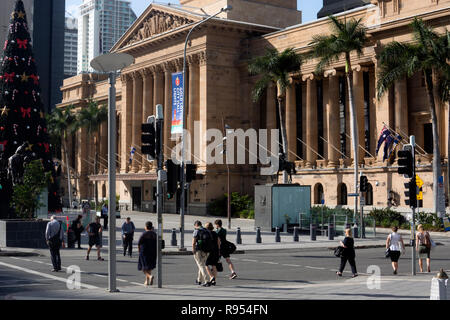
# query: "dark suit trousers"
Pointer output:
{"type": "Point", "coordinates": [56, 258]}
{"type": "Point", "coordinates": [128, 244]}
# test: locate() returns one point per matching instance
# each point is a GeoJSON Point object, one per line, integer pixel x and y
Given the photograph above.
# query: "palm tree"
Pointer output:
{"type": "Point", "coordinates": [91, 118]}
{"type": "Point", "coordinates": [275, 67]}
{"type": "Point", "coordinates": [61, 124]}
{"type": "Point", "coordinates": [429, 55]}
{"type": "Point", "coordinates": [347, 37]}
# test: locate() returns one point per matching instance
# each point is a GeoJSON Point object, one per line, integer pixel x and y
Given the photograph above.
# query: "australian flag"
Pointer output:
{"type": "Point", "coordinates": [385, 133]}
{"type": "Point", "coordinates": [397, 141]}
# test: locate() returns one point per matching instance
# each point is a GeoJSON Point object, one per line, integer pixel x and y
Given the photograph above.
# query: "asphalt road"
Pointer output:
{"type": "Point", "coordinates": [19, 274]}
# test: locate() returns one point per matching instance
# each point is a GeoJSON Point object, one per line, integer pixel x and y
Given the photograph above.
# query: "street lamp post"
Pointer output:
{"type": "Point", "coordinates": [183, 176]}
{"type": "Point", "coordinates": [110, 63]}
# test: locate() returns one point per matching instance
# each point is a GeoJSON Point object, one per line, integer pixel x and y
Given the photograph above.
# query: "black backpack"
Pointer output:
{"type": "Point", "coordinates": [205, 240]}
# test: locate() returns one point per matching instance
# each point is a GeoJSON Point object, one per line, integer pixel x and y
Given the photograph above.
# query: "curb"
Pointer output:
{"type": "Point", "coordinates": [18, 254]}
{"type": "Point", "coordinates": [189, 253]}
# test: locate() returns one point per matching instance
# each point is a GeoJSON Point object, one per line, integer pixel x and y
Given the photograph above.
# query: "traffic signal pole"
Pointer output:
{"type": "Point", "coordinates": [412, 141]}
{"type": "Point", "coordinates": [159, 187]}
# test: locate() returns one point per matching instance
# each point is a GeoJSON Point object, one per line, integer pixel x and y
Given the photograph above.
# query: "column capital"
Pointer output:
{"type": "Point", "coordinates": [193, 60]}
{"type": "Point", "coordinates": [359, 68]}
{"type": "Point", "coordinates": [147, 72]}
{"type": "Point", "coordinates": [136, 75]}
{"type": "Point", "coordinates": [169, 66]}
{"type": "Point", "coordinates": [156, 69]}
{"type": "Point", "coordinates": [178, 64]}
{"type": "Point", "coordinates": [207, 57]}
{"type": "Point", "coordinates": [332, 73]}
{"type": "Point", "coordinates": [309, 76]}
{"type": "Point", "coordinates": [125, 77]}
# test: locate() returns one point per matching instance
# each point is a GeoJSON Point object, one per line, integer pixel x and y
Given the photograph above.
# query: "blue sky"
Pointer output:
{"type": "Point", "coordinates": [308, 7]}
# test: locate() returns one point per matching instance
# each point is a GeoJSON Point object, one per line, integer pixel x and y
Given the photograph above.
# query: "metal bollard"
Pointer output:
{"type": "Point", "coordinates": [313, 232]}
{"type": "Point", "coordinates": [296, 239]}
{"type": "Point", "coordinates": [277, 235]}
{"type": "Point", "coordinates": [330, 230]}
{"type": "Point", "coordinates": [347, 224]}
{"type": "Point", "coordinates": [174, 238]}
{"type": "Point", "coordinates": [355, 231]}
{"type": "Point", "coordinates": [258, 235]}
{"type": "Point", "coordinates": [238, 236]}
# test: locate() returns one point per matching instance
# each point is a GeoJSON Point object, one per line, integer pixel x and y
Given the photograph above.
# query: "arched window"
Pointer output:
{"type": "Point", "coordinates": [342, 194]}
{"type": "Point", "coordinates": [369, 195]}
{"type": "Point", "coordinates": [318, 194]}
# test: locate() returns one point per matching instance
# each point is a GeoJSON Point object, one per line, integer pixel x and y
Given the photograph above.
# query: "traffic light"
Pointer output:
{"type": "Point", "coordinates": [191, 172]}
{"type": "Point", "coordinates": [411, 193]}
{"type": "Point", "coordinates": [406, 161]}
{"type": "Point", "coordinates": [285, 165]}
{"type": "Point", "coordinates": [363, 184]}
{"type": "Point", "coordinates": [173, 174]}
{"type": "Point", "coordinates": [148, 138]}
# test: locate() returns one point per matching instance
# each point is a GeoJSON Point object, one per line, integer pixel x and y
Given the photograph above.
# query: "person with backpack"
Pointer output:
{"type": "Point", "coordinates": [423, 246]}
{"type": "Point", "coordinates": [226, 247]}
{"type": "Point", "coordinates": [94, 231]}
{"type": "Point", "coordinates": [214, 255]}
{"type": "Point", "coordinates": [395, 244]}
{"type": "Point", "coordinates": [78, 228]}
{"type": "Point", "coordinates": [201, 248]}
{"type": "Point", "coordinates": [54, 236]}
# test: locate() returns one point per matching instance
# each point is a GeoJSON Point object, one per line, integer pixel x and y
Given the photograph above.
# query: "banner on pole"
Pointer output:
{"type": "Point", "coordinates": [441, 203]}
{"type": "Point", "coordinates": [177, 103]}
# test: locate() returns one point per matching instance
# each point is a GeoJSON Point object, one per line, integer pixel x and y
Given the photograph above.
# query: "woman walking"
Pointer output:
{"type": "Point", "coordinates": [348, 254]}
{"type": "Point", "coordinates": [214, 255]}
{"type": "Point", "coordinates": [147, 253]}
{"type": "Point", "coordinates": [222, 233]}
{"type": "Point", "coordinates": [423, 246]}
{"type": "Point", "coordinates": [393, 242]}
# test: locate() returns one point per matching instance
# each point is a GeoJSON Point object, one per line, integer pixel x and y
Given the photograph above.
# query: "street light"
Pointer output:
{"type": "Point", "coordinates": [183, 176]}
{"type": "Point", "coordinates": [110, 63]}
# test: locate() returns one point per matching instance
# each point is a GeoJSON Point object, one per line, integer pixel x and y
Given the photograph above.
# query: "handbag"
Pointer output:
{"type": "Point", "coordinates": [387, 254]}
{"type": "Point", "coordinates": [231, 248]}
{"type": "Point", "coordinates": [219, 266]}
{"type": "Point", "coordinates": [339, 251]}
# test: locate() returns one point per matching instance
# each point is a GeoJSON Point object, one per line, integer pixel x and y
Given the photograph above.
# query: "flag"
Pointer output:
{"type": "Point", "coordinates": [132, 152]}
{"type": "Point", "coordinates": [397, 141]}
{"type": "Point", "coordinates": [384, 134]}
{"type": "Point", "coordinates": [389, 141]}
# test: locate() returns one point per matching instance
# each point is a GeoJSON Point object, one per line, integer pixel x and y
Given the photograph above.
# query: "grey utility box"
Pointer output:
{"type": "Point", "coordinates": [274, 201]}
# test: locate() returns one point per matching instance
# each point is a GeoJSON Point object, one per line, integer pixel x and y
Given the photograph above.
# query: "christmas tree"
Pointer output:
{"type": "Point", "coordinates": [22, 120]}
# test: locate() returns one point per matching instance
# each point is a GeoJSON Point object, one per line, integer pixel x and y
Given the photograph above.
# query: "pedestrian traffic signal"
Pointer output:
{"type": "Point", "coordinates": [406, 161]}
{"type": "Point", "coordinates": [173, 174]}
{"type": "Point", "coordinates": [148, 139]}
{"type": "Point", "coordinates": [191, 172]}
{"type": "Point", "coordinates": [411, 193]}
{"type": "Point", "coordinates": [363, 184]}
{"type": "Point", "coordinates": [285, 165]}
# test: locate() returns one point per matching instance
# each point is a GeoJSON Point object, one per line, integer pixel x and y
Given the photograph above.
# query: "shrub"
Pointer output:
{"type": "Point", "coordinates": [387, 218]}
{"type": "Point", "coordinates": [242, 206]}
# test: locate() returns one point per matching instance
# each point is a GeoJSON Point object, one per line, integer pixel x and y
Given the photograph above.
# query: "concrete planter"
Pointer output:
{"type": "Point", "coordinates": [23, 234]}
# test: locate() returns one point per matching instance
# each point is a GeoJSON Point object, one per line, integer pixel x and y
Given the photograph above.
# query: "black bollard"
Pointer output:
{"type": "Point", "coordinates": [258, 235]}
{"type": "Point", "coordinates": [238, 236]}
{"type": "Point", "coordinates": [277, 235]}
{"type": "Point", "coordinates": [295, 234]}
{"type": "Point", "coordinates": [313, 232]}
{"type": "Point", "coordinates": [355, 231]}
{"type": "Point", "coordinates": [174, 238]}
{"type": "Point", "coordinates": [330, 230]}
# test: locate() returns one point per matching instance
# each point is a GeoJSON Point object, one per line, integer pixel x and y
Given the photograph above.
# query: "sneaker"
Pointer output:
{"type": "Point", "coordinates": [207, 284]}
{"type": "Point", "coordinates": [213, 281]}
{"type": "Point", "coordinates": [198, 282]}
{"type": "Point", "coordinates": [355, 275]}
{"type": "Point", "coordinates": [54, 270]}
{"type": "Point", "coordinates": [395, 271]}
{"type": "Point", "coordinates": [233, 276]}
{"type": "Point", "coordinates": [87, 257]}
{"type": "Point", "coordinates": [339, 274]}
{"type": "Point", "coordinates": [100, 259]}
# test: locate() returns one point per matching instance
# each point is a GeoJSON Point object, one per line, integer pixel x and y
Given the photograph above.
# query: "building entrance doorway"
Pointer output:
{"type": "Point", "coordinates": [136, 198]}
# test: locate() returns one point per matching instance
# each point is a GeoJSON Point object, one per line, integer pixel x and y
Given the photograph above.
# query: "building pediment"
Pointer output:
{"type": "Point", "coordinates": [155, 21]}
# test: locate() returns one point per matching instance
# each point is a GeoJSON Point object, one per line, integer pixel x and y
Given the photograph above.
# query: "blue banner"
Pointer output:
{"type": "Point", "coordinates": [177, 103]}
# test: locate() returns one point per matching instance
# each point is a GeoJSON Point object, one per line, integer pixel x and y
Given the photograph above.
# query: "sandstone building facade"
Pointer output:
{"type": "Point", "coordinates": [219, 92]}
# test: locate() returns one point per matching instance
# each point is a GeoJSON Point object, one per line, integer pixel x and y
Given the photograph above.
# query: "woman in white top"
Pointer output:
{"type": "Point", "coordinates": [395, 244]}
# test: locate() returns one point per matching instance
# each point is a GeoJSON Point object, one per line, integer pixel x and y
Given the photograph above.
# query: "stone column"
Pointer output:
{"type": "Point", "coordinates": [291, 121]}
{"type": "Point", "coordinates": [82, 163]}
{"type": "Point", "coordinates": [148, 107]}
{"type": "Point", "coordinates": [401, 107]}
{"type": "Point", "coordinates": [194, 100]}
{"type": "Point", "coordinates": [358, 93]}
{"type": "Point", "coordinates": [333, 120]}
{"type": "Point", "coordinates": [271, 108]}
{"type": "Point", "coordinates": [311, 120]}
{"type": "Point", "coordinates": [137, 120]}
{"type": "Point", "coordinates": [126, 123]}
{"type": "Point", "coordinates": [103, 158]}
{"type": "Point", "coordinates": [168, 69]}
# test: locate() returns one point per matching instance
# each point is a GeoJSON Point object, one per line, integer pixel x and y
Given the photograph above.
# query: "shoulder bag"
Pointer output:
{"type": "Point", "coordinates": [339, 251]}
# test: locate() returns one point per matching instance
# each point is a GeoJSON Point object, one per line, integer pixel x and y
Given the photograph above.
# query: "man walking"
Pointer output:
{"type": "Point", "coordinates": [127, 236]}
{"type": "Point", "coordinates": [78, 228]}
{"type": "Point", "coordinates": [200, 249]}
{"type": "Point", "coordinates": [54, 235]}
{"type": "Point", "coordinates": [105, 216]}
{"type": "Point", "coordinates": [94, 230]}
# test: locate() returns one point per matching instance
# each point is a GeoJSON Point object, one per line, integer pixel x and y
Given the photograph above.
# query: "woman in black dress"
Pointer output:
{"type": "Point", "coordinates": [147, 252]}
{"type": "Point", "coordinates": [214, 256]}
{"type": "Point", "coordinates": [348, 254]}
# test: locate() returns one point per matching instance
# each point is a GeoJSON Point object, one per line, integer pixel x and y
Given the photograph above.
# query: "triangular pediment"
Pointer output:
{"type": "Point", "coordinates": [156, 20]}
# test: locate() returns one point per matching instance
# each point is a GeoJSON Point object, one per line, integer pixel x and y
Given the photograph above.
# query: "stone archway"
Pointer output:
{"type": "Point", "coordinates": [342, 194]}
{"type": "Point", "coordinates": [318, 193]}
